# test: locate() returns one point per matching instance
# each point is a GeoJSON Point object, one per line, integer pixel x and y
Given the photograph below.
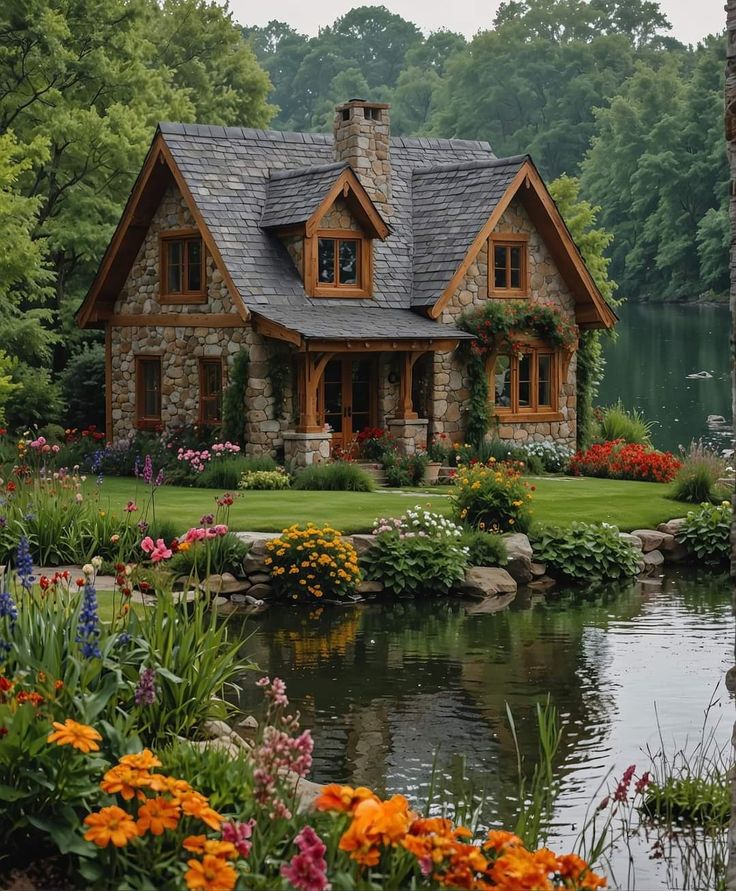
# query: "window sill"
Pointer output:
{"type": "Point", "coordinates": [340, 292]}
{"type": "Point", "coordinates": [148, 424]}
{"type": "Point", "coordinates": [169, 299]}
{"type": "Point", "coordinates": [509, 295]}
{"type": "Point", "coordinates": [531, 417]}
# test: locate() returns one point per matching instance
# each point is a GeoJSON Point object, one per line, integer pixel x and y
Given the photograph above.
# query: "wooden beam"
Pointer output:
{"type": "Point", "coordinates": [311, 370]}
{"type": "Point", "coordinates": [442, 345]}
{"type": "Point", "coordinates": [269, 328]}
{"type": "Point", "coordinates": [406, 402]}
{"type": "Point", "coordinates": [176, 320]}
{"type": "Point", "coordinates": [357, 197]}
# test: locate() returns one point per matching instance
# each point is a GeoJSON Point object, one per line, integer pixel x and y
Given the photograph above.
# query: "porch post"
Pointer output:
{"type": "Point", "coordinates": [309, 443]}
{"type": "Point", "coordinates": [407, 428]}
{"type": "Point", "coordinates": [406, 404]}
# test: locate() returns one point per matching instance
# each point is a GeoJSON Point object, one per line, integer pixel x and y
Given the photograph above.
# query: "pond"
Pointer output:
{"type": "Point", "coordinates": [647, 367]}
{"type": "Point", "coordinates": [387, 688]}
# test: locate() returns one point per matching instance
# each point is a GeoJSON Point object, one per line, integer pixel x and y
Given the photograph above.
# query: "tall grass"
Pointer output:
{"type": "Point", "coordinates": [340, 476]}
{"type": "Point", "coordinates": [701, 469]}
{"type": "Point", "coordinates": [617, 422]}
{"type": "Point", "coordinates": [225, 473]}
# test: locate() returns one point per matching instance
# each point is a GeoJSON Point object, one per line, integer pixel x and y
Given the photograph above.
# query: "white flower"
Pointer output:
{"type": "Point", "coordinates": [88, 569]}
{"type": "Point", "coordinates": [96, 562]}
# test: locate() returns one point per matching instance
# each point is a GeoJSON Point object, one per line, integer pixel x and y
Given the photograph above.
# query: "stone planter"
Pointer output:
{"type": "Point", "coordinates": [432, 473]}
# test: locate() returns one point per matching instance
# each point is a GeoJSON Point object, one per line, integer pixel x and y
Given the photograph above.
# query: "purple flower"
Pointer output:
{"type": "Point", "coordinates": [145, 692]}
{"type": "Point", "coordinates": [24, 564]}
{"type": "Point", "coordinates": [239, 835]}
{"type": "Point", "coordinates": [88, 626]}
{"type": "Point", "coordinates": [9, 611]}
{"type": "Point", "coordinates": [307, 870]}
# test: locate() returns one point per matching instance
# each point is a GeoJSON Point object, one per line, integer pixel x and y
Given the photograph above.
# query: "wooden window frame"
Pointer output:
{"type": "Point", "coordinates": [315, 288]}
{"type": "Point", "coordinates": [533, 413]}
{"type": "Point", "coordinates": [144, 422]}
{"type": "Point", "coordinates": [203, 362]}
{"type": "Point", "coordinates": [185, 296]}
{"type": "Point", "coordinates": [509, 240]}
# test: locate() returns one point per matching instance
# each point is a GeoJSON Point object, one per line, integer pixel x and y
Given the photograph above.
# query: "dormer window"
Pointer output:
{"type": "Point", "coordinates": [183, 268]}
{"type": "Point", "coordinates": [338, 264]}
{"type": "Point", "coordinates": [507, 265]}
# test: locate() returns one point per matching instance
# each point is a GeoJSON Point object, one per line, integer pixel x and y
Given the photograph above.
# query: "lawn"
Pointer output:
{"type": "Point", "coordinates": [556, 501]}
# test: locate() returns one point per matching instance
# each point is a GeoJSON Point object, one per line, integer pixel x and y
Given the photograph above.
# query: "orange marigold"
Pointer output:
{"type": "Point", "coordinates": [342, 798]}
{"type": "Point", "coordinates": [194, 804]}
{"type": "Point", "coordinates": [575, 869]}
{"type": "Point", "coordinates": [157, 815]}
{"type": "Point", "coordinates": [80, 736]}
{"type": "Point", "coordinates": [374, 823]}
{"type": "Point", "coordinates": [110, 824]}
{"type": "Point", "coordinates": [520, 870]}
{"type": "Point", "coordinates": [500, 840]}
{"type": "Point", "coordinates": [210, 874]}
{"type": "Point", "coordinates": [200, 844]}
{"type": "Point", "coordinates": [144, 760]}
{"type": "Point", "coordinates": [171, 785]}
{"type": "Point", "coordinates": [125, 781]}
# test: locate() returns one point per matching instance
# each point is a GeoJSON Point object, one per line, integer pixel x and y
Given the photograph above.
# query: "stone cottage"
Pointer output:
{"type": "Point", "coordinates": [341, 265]}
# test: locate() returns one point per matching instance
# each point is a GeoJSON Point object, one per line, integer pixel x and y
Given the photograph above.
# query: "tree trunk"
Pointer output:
{"type": "Point", "coordinates": [730, 122]}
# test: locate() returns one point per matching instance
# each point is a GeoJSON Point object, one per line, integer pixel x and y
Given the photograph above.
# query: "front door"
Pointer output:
{"type": "Point", "coordinates": [348, 397]}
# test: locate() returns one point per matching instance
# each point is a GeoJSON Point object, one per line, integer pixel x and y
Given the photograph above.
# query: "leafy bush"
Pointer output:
{"type": "Point", "coordinates": [264, 479]}
{"type": "Point", "coordinates": [405, 470]}
{"type": "Point", "coordinates": [692, 799]}
{"type": "Point", "coordinates": [553, 457]}
{"type": "Point", "coordinates": [226, 553]}
{"type": "Point", "coordinates": [233, 400]}
{"type": "Point", "coordinates": [226, 472]}
{"type": "Point", "coordinates": [483, 548]}
{"type": "Point", "coordinates": [487, 450]}
{"type": "Point", "coordinates": [697, 477]}
{"type": "Point", "coordinates": [618, 423]}
{"type": "Point", "coordinates": [373, 443]}
{"type": "Point", "coordinates": [312, 562]}
{"type": "Point", "coordinates": [707, 531]}
{"type": "Point", "coordinates": [492, 497]}
{"type": "Point", "coordinates": [586, 552]}
{"type": "Point", "coordinates": [83, 387]}
{"type": "Point", "coordinates": [618, 460]}
{"type": "Point", "coordinates": [439, 449]}
{"type": "Point", "coordinates": [419, 553]}
{"type": "Point", "coordinates": [337, 476]}
{"type": "Point", "coordinates": [37, 399]}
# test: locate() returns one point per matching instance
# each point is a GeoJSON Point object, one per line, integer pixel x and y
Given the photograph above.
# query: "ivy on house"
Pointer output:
{"type": "Point", "coordinates": [279, 372]}
{"type": "Point", "coordinates": [233, 402]}
{"type": "Point", "coordinates": [495, 324]}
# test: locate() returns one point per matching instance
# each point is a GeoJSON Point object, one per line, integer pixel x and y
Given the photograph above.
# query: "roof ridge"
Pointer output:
{"type": "Point", "coordinates": [290, 172]}
{"type": "Point", "coordinates": [471, 165]}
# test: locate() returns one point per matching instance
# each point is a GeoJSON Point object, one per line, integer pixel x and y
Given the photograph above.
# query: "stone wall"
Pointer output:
{"type": "Point", "coordinates": [180, 347]}
{"type": "Point", "coordinates": [451, 382]}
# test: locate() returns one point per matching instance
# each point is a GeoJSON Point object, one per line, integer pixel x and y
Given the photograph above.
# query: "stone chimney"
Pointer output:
{"type": "Point", "coordinates": [362, 132]}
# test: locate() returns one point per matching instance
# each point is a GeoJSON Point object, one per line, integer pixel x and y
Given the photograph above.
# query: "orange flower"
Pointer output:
{"type": "Point", "coordinates": [342, 798]}
{"type": "Point", "coordinates": [126, 781]}
{"type": "Point", "coordinates": [144, 760]}
{"type": "Point", "coordinates": [110, 824]}
{"type": "Point", "coordinates": [374, 823]}
{"type": "Point", "coordinates": [522, 870]}
{"type": "Point", "coordinates": [210, 874]}
{"type": "Point", "coordinates": [500, 840]}
{"type": "Point", "coordinates": [158, 814]}
{"type": "Point", "coordinates": [572, 867]}
{"type": "Point", "coordinates": [200, 844]}
{"type": "Point", "coordinates": [80, 736]}
{"type": "Point", "coordinates": [194, 804]}
{"type": "Point", "coordinates": [171, 785]}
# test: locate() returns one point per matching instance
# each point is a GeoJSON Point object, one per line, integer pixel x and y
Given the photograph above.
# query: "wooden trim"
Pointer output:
{"type": "Point", "coordinates": [176, 320]}
{"type": "Point", "coordinates": [108, 382]}
{"type": "Point", "coordinates": [480, 239]}
{"type": "Point", "coordinates": [203, 362]}
{"type": "Point", "coordinates": [184, 235]}
{"type": "Point", "coordinates": [314, 288]}
{"type": "Point", "coordinates": [206, 234]}
{"type": "Point", "coordinates": [540, 417]}
{"type": "Point", "coordinates": [143, 422]}
{"type": "Point", "coordinates": [378, 346]}
{"type": "Point", "coordinates": [268, 328]}
{"type": "Point", "coordinates": [508, 239]}
{"type": "Point", "coordinates": [361, 202]}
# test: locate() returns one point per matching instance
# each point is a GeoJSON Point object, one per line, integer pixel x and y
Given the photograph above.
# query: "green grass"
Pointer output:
{"type": "Point", "coordinates": [556, 501]}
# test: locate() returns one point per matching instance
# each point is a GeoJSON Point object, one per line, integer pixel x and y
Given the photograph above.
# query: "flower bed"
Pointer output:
{"type": "Point", "coordinates": [492, 497]}
{"type": "Point", "coordinates": [619, 460]}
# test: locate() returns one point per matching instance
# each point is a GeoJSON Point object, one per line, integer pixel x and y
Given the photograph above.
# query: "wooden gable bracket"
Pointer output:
{"type": "Point", "coordinates": [349, 187]}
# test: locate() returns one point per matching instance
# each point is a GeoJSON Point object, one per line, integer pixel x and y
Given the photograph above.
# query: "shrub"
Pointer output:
{"type": "Point", "coordinates": [373, 443]}
{"type": "Point", "coordinates": [553, 457]}
{"type": "Point", "coordinates": [439, 449]}
{"type": "Point", "coordinates": [587, 552]}
{"type": "Point", "coordinates": [405, 470]}
{"type": "Point", "coordinates": [313, 562]}
{"type": "Point", "coordinates": [83, 387]}
{"type": "Point", "coordinates": [225, 554]}
{"type": "Point", "coordinates": [233, 400]}
{"type": "Point", "coordinates": [492, 497]}
{"type": "Point", "coordinates": [419, 553]}
{"type": "Point", "coordinates": [264, 479]}
{"type": "Point", "coordinates": [337, 476]}
{"type": "Point", "coordinates": [482, 452]}
{"type": "Point", "coordinates": [615, 422]}
{"type": "Point", "coordinates": [700, 471]}
{"type": "Point", "coordinates": [226, 473]}
{"type": "Point", "coordinates": [707, 531]}
{"type": "Point", "coordinates": [483, 548]}
{"type": "Point", "coordinates": [618, 460]}
{"type": "Point", "coordinates": [37, 399]}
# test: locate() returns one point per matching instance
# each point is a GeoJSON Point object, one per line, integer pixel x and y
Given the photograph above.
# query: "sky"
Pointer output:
{"type": "Point", "coordinates": [691, 19]}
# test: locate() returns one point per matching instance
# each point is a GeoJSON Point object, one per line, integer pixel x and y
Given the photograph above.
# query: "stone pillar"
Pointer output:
{"type": "Point", "coordinates": [410, 434]}
{"type": "Point", "coordinates": [362, 131]}
{"type": "Point", "coordinates": [305, 449]}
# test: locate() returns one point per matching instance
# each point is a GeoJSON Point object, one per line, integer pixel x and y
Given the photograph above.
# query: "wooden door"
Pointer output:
{"type": "Point", "coordinates": [348, 397]}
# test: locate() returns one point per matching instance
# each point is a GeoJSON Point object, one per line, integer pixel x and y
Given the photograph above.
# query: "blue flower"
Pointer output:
{"type": "Point", "coordinates": [88, 626]}
{"type": "Point", "coordinates": [123, 639]}
{"type": "Point", "coordinates": [24, 564]}
{"type": "Point", "coordinates": [8, 611]}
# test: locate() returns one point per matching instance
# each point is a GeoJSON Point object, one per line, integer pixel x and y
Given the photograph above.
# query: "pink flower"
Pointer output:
{"type": "Point", "coordinates": [130, 507]}
{"type": "Point", "coordinates": [238, 834]}
{"type": "Point", "coordinates": [147, 545]}
{"type": "Point", "coordinates": [308, 869]}
{"type": "Point", "coordinates": [194, 535]}
{"type": "Point", "coordinates": [220, 529]}
{"type": "Point", "coordinates": [161, 551]}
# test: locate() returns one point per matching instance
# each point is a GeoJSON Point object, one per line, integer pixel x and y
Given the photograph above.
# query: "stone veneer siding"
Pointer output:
{"type": "Point", "coordinates": [451, 382]}
{"type": "Point", "coordinates": [181, 347]}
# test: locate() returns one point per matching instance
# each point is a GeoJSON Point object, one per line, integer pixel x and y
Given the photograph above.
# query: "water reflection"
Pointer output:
{"type": "Point", "coordinates": [658, 345]}
{"type": "Point", "coordinates": [386, 687]}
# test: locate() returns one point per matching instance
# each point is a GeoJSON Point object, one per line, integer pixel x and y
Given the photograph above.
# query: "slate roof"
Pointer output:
{"type": "Point", "coordinates": [232, 172]}
{"type": "Point", "coordinates": [361, 323]}
{"type": "Point", "coordinates": [450, 205]}
{"type": "Point", "coordinates": [294, 195]}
